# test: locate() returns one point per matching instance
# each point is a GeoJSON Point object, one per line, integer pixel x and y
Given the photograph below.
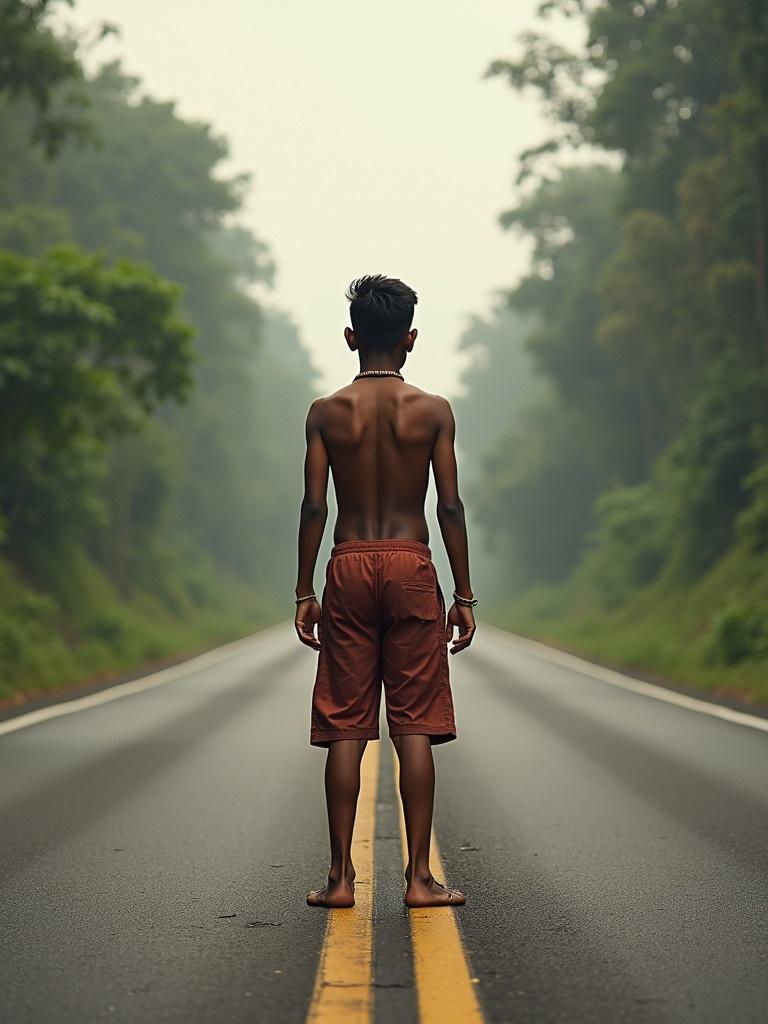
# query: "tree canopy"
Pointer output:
{"type": "Point", "coordinates": [646, 293]}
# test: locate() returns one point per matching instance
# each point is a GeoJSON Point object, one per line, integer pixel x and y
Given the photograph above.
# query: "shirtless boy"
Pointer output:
{"type": "Point", "coordinates": [383, 614]}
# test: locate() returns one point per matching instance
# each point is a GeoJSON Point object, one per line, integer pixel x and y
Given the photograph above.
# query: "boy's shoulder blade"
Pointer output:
{"type": "Point", "coordinates": [438, 401]}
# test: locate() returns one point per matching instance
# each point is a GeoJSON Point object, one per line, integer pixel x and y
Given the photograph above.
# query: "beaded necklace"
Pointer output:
{"type": "Point", "coordinates": [379, 373]}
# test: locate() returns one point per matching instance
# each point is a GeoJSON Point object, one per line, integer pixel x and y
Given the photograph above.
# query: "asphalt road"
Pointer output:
{"type": "Point", "coordinates": [155, 851]}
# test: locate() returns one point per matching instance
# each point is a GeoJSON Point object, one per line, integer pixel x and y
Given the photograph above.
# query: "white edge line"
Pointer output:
{"type": "Point", "coordinates": [165, 675]}
{"type": "Point", "coordinates": [608, 675]}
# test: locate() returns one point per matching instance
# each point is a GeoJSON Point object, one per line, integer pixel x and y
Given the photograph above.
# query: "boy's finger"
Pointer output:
{"type": "Point", "coordinates": [463, 640]}
{"type": "Point", "coordinates": [448, 632]}
{"type": "Point", "coordinates": [307, 638]}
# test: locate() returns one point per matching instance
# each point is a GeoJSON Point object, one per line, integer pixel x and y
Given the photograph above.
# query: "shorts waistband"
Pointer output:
{"type": "Point", "coordinates": [387, 544]}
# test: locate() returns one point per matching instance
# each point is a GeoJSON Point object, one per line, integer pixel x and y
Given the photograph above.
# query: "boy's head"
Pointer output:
{"type": "Point", "coordinates": [381, 310]}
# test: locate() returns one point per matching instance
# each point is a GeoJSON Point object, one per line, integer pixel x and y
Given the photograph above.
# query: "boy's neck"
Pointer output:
{"type": "Point", "coordinates": [379, 362]}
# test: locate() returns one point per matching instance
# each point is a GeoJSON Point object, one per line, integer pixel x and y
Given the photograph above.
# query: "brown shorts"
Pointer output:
{"type": "Point", "coordinates": [382, 620]}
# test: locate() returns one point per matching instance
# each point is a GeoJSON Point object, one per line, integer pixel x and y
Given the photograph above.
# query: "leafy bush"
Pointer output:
{"type": "Point", "coordinates": [752, 523]}
{"type": "Point", "coordinates": [704, 470]}
{"type": "Point", "coordinates": [30, 646]}
{"type": "Point", "coordinates": [111, 626]}
{"type": "Point", "coordinates": [738, 633]}
{"type": "Point", "coordinates": [629, 542]}
{"type": "Point", "coordinates": [36, 607]}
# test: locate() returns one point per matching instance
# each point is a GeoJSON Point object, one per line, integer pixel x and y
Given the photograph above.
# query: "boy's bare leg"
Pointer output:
{"type": "Point", "coordinates": [417, 790]}
{"type": "Point", "coordinates": [342, 788]}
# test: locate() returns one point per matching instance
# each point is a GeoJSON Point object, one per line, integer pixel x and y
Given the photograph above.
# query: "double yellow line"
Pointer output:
{"type": "Point", "coordinates": [343, 992]}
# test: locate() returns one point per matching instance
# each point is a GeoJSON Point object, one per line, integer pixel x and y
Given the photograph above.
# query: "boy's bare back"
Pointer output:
{"type": "Point", "coordinates": [379, 436]}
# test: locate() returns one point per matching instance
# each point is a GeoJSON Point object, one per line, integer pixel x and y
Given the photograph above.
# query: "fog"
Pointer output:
{"type": "Point", "coordinates": [374, 143]}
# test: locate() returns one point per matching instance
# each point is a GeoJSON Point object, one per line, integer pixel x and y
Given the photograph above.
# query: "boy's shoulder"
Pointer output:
{"type": "Point", "coordinates": [343, 394]}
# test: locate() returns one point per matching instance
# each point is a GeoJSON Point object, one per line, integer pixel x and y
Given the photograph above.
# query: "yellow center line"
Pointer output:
{"type": "Point", "coordinates": [343, 985]}
{"type": "Point", "coordinates": [444, 983]}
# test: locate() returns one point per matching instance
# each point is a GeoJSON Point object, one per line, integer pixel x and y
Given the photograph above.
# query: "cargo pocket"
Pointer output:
{"type": "Point", "coordinates": [419, 600]}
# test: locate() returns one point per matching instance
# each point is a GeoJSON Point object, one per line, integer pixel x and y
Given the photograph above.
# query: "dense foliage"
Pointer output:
{"type": "Point", "coordinates": [151, 409]}
{"type": "Point", "coordinates": [649, 293]}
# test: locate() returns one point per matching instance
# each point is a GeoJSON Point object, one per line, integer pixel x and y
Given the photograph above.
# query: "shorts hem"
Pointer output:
{"type": "Point", "coordinates": [436, 733]}
{"type": "Point", "coordinates": [323, 738]}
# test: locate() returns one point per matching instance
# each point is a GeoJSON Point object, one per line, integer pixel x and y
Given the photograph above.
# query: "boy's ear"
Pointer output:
{"type": "Point", "coordinates": [410, 338]}
{"type": "Point", "coordinates": [349, 334]}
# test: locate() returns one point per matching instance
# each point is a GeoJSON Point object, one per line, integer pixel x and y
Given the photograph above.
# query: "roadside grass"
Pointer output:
{"type": "Point", "coordinates": [710, 634]}
{"type": "Point", "coordinates": [82, 632]}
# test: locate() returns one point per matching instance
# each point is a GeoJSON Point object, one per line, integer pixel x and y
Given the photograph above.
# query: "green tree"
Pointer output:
{"type": "Point", "coordinates": [41, 68]}
{"type": "Point", "coordinates": [741, 116]}
{"type": "Point", "coordinates": [707, 468]}
{"type": "Point", "coordinates": [644, 85]}
{"type": "Point", "coordinates": [87, 350]}
{"type": "Point", "coordinates": [573, 222]}
{"type": "Point", "coordinates": [535, 494]}
{"type": "Point", "coordinates": [499, 380]}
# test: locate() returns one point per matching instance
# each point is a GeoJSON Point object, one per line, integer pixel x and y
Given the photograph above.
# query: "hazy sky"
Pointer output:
{"type": "Point", "coordinates": [374, 143]}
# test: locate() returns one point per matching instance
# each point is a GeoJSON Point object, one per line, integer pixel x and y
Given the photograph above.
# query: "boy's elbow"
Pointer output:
{"type": "Point", "coordinates": [452, 509]}
{"type": "Point", "coordinates": [314, 509]}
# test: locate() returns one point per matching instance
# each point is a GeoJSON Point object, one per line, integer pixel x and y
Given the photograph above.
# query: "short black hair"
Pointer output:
{"type": "Point", "coordinates": [381, 309]}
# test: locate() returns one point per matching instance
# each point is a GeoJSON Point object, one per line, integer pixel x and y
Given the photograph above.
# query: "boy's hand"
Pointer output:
{"type": "Point", "coordinates": [307, 616]}
{"type": "Point", "coordinates": [463, 617]}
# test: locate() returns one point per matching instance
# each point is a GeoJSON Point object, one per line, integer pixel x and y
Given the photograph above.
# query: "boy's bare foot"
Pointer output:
{"type": "Point", "coordinates": [335, 895]}
{"type": "Point", "coordinates": [431, 893]}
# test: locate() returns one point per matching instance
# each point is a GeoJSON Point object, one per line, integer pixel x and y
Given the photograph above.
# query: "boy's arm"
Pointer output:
{"type": "Point", "coordinates": [450, 516]}
{"type": "Point", "coordinates": [314, 512]}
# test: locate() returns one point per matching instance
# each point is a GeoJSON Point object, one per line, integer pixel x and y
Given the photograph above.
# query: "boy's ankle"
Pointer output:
{"type": "Point", "coordinates": [422, 876]}
{"type": "Point", "coordinates": [338, 875]}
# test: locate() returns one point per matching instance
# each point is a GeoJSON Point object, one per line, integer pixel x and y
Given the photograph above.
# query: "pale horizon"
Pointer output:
{"type": "Point", "coordinates": [392, 158]}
